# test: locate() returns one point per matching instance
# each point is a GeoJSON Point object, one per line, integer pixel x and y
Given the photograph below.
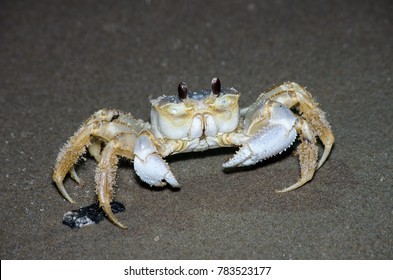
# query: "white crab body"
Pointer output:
{"type": "Point", "coordinates": [198, 121]}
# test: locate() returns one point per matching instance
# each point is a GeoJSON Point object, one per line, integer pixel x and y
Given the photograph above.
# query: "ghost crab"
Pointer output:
{"type": "Point", "coordinates": [198, 121]}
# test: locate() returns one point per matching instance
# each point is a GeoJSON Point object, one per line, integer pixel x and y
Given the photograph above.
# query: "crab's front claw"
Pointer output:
{"type": "Point", "coordinates": [267, 143]}
{"type": "Point", "coordinates": [270, 140]}
{"type": "Point", "coordinates": [149, 165]}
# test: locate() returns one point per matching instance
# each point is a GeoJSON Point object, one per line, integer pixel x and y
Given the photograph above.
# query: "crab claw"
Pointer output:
{"type": "Point", "coordinates": [267, 143]}
{"type": "Point", "coordinates": [273, 139]}
{"type": "Point", "coordinates": [149, 166]}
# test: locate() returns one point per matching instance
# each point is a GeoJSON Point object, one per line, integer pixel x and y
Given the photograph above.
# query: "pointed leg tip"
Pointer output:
{"type": "Point", "coordinates": [80, 182]}
{"type": "Point", "coordinates": [68, 197]}
{"type": "Point", "coordinates": [324, 156]}
{"type": "Point", "coordinates": [292, 187]}
{"type": "Point", "coordinates": [288, 189]}
{"type": "Point", "coordinates": [322, 160]}
{"type": "Point", "coordinates": [114, 220]}
{"type": "Point", "coordinates": [117, 222]}
{"type": "Point", "coordinates": [75, 176]}
{"type": "Point", "coordinates": [108, 211]}
{"type": "Point", "coordinates": [122, 226]}
{"type": "Point", "coordinates": [63, 191]}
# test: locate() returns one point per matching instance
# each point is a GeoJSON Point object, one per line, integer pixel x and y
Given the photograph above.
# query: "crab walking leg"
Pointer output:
{"type": "Point", "coordinates": [316, 118]}
{"type": "Point", "coordinates": [308, 155]}
{"type": "Point", "coordinates": [105, 178]}
{"type": "Point", "coordinates": [98, 125]}
{"type": "Point", "coordinates": [69, 155]}
{"type": "Point", "coordinates": [75, 176]}
{"type": "Point", "coordinates": [293, 95]}
{"type": "Point", "coordinates": [149, 166]}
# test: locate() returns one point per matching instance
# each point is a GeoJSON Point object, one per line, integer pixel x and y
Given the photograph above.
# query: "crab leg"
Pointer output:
{"type": "Point", "coordinates": [105, 178]}
{"type": "Point", "coordinates": [149, 166]}
{"type": "Point", "coordinates": [316, 119]}
{"type": "Point", "coordinates": [104, 124]}
{"type": "Point", "coordinates": [69, 155]}
{"type": "Point", "coordinates": [308, 155]}
{"type": "Point", "coordinates": [293, 95]}
{"type": "Point", "coordinates": [75, 176]}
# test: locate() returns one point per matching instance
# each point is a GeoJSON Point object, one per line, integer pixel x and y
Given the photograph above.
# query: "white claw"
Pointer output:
{"type": "Point", "coordinates": [241, 155]}
{"type": "Point", "coordinates": [268, 142]}
{"type": "Point", "coordinates": [271, 142]}
{"type": "Point", "coordinates": [153, 170]}
{"type": "Point", "coordinates": [149, 166]}
{"type": "Point", "coordinates": [276, 137]}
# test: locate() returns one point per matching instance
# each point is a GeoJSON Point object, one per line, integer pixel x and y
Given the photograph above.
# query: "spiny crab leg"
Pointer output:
{"type": "Point", "coordinates": [149, 166]}
{"type": "Point", "coordinates": [75, 176]}
{"type": "Point", "coordinates": [104, 125]}
{"type": "Point", "coordinates": [272, 127]}
{"type": "Point", "coordinates": [293, 95]}
{"type": "Point", "coordinates": [76, 146]}
{"type": "Point", "coordinates": [106, 171]}
{"type": "Point", "coordinates": [69, 155]}
{"type": "Point", "coordinates": [308, 155]}
{"type": "Point", "coordinates": [326, 152]}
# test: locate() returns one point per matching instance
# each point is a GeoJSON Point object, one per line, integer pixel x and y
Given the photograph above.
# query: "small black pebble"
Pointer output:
{"type": "Point", "coordinates": [88, 215]}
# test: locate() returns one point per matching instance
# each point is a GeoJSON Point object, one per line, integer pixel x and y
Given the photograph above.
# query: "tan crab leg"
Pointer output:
{"type": "Point", "coordinates": [105, 178]}
{"type": "Point", "coordinates": [100, 125]}
{"type": "Point", "coordinates": [69, 155]}
{"type": "Point", "coordinates": [317, 120]}
{"type": "Point", "coordinates": [94, 150]}
{"type": "Point", "coordinates": [75, 176]}
{"type": "Point", "coordinates": [75, 147]}
{"type": "Point", "coordinates": [308, 156]}
{"type": "Point", "coordinates": [291, 94]}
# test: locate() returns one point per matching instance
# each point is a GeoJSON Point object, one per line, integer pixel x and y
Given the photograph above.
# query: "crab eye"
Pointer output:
{"type": "Point", "coordinates": [182, 90]}
{"type": "Point", "coordinates": [216, 86]}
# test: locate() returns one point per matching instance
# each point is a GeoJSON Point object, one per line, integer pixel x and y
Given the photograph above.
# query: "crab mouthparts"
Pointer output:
{"type": "Point", "coordinates": [203, 125]}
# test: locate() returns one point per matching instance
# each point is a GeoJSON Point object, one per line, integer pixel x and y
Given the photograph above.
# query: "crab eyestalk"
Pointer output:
{"type": "Point", "coordinates": [216, 86]}
{"type": "Point", "coordinates": [182, 90]}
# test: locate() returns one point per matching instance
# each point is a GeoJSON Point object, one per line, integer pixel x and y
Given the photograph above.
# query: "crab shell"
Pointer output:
{"type": "Point", "coordinates": [200, 115]}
